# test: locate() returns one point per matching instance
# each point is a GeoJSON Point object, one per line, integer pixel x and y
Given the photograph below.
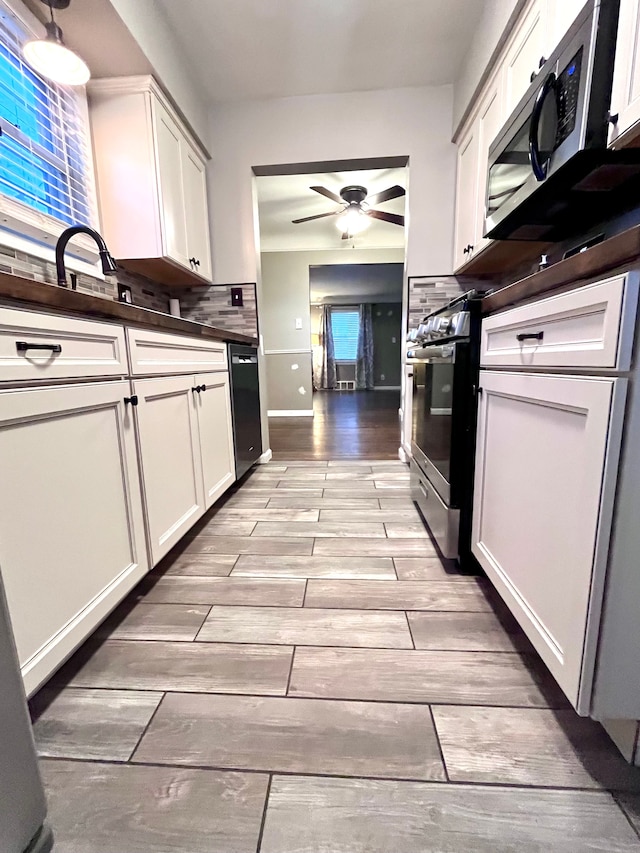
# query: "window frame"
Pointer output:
{"type": "Point", "coordinates": [25, 229]}
{"type": "Point", "coordinates": [346, 309]}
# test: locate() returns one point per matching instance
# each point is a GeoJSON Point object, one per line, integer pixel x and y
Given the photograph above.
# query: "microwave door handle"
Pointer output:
{"type": "Point", "coordinates": [539, 168]}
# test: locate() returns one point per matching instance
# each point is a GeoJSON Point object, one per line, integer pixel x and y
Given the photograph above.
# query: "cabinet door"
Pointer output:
{"type": "Point", "coordinates": [542, 508]}
{"type": "Point", "coordinates": [466, 196]}
{"type": "Point", "coordinates": [170, 180]}
{"type": "Point", "coordinates": [196, 210]}
{"type": "Point", "coordinates": [523, 53]}
{"type": "Point", "coordinates": [213, 402]}
{"type": "Point", "coordinates": [170, 456]}
{"type": "Point", "coordinates": [625, 98]}
{"type": "Point", "coordinates": [489, 122]}
{"type": "Point", "coordinates": [72, 540]}
{"type": "Point", "coordinates": [559, 16]}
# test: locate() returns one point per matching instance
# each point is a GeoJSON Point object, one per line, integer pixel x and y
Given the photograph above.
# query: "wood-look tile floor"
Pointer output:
{"type": "Point", "coordinates": [303, 674]}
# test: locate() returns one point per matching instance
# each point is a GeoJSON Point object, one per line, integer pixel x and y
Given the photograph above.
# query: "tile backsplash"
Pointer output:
{"type": "Point", "coordinates": [211, 305]}
{"type": "Point", "coordinates": [428, 293]}
{"type": "Point", "coordinates": [146, 293]}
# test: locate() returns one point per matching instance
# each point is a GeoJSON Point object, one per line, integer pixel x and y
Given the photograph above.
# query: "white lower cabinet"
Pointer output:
{"type": "Point", "coordinates": [72, 538]}
{"type": "Point", "coordinates": [213, 403]}
{"type": "Point", "coordinates": [170, 459]}
{"type": "Point", "coordinates": [186, 451]}
{"type": "Point", "coordinates": [545, 478]}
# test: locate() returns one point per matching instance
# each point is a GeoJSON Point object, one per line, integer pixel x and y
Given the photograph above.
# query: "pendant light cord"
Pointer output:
{"type": "Point", "coordinates": [51, 11]}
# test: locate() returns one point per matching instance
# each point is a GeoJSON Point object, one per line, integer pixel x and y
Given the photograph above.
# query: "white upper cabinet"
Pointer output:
{"type": "Point", "coordinates": [524, 51]}
{"type": "Point", "coordinates": [170, 185]}
{"type": "Point", "coordinates": [151, 178]}
{"type": "Point", "coordinates": [625, 98]}
{"type": "Point", "coordinates": [197, 216]}
{"type": "Point", "coordinates": [560, 14]}
{"type": "Point", "coordinates": [466, 196]}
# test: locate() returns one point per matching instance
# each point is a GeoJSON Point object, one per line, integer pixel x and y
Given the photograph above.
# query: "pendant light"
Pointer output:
{"type": "Point", "coordinates": [51, 58]}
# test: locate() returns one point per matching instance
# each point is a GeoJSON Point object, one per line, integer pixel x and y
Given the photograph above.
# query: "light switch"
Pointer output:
{"type": "Point", "coordinates": [393, 340]}
{"type": "Point", "coordinates": [298, 322]}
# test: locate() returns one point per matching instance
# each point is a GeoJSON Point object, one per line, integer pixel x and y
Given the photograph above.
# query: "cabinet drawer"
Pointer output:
{"type": "Point", "coordinates": [588, 327]}
{"type": "Point", "coordinates": [45, 346]}
{"type": "Point", "coordinates": [158, 353]}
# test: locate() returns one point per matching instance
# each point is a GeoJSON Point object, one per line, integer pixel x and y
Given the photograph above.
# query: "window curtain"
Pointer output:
{"type": "Point", "coordinates": [364, 360]}
{"type": "Point", "coordinates": [324, 359]}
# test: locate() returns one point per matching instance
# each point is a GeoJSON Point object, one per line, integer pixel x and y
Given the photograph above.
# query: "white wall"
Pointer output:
{"type": "Point", "coordinates": [490, 32]}
{"type": "Point", "coordinates": [402, 122]}
{"type": "Point", "coordinates": [146, 22]}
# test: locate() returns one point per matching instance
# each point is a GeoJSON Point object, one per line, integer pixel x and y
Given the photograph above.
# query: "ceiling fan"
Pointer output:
{"type": "Point", "coordinates": [356, 208]}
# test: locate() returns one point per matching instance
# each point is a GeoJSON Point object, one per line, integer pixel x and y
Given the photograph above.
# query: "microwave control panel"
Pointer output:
{"type": "Point", "coordinates": [567, 91]}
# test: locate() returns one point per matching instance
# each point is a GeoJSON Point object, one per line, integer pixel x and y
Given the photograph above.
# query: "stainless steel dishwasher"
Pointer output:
{"type": "Point", "coordinates": [245, 406]}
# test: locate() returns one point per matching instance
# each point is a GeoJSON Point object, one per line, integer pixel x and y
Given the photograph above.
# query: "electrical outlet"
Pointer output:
{"type": "Point", "coordinates": [382, 377]}
{"type": "Point", "coordinates": [298, 322]}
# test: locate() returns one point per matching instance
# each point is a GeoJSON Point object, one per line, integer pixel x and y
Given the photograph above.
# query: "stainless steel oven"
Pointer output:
{"type": "Point", "coordinates": [550, 173]}
{"type": "Point", "coordinates": [444, 366]}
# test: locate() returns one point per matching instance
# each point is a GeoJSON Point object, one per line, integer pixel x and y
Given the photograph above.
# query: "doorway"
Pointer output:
{"type": "Point", "coordinates": [312, 273]}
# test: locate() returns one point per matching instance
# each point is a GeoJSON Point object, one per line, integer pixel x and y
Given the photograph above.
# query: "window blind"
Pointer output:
{"type": "Point", "coordinates": [345, 323]}
{"type": "Point", "coordinates": [45, 158]}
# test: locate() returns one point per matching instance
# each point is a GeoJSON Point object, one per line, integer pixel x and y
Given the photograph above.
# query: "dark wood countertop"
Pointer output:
{"type": "Point", "coordinates": [603, 258]}
{"type": "Point", "coordinates": [42, 295]}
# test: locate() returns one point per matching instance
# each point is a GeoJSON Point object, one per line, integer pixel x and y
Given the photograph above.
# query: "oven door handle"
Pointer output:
{"type": "Point", "coordinates": [539, 168]}
{"type": "Point", "coordinates": [441, 353]}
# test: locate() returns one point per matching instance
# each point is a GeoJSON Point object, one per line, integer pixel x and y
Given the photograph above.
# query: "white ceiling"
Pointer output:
{"type": "Point", "coordinates": [286, 197]}
{"type": "Point", "coordinates": [251, 49]}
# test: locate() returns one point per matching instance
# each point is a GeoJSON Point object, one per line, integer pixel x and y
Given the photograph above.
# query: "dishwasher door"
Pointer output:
{"type": "Point", "coordinates": [245, 403]}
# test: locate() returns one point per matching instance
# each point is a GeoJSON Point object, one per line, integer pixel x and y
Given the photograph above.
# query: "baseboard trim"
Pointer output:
{"type": "Point", "coordinates": [288, 352]}
{"type": "Point", "coordinates": [386, 387]}
{"type": "Point", "coordinates": [267, 456]}
{"type": "Point", "coordinates": [290, 413]}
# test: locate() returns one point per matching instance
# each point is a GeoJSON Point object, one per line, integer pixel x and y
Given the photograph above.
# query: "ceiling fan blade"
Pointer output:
{"type": "Point", "coordinates": [386, 195]}
{"type": "Point", "coordinates": [317, 216]}
{"type": "Point", "coordinates": [327, 193]}
{"type": "Point", "coordinates": [386, 217]}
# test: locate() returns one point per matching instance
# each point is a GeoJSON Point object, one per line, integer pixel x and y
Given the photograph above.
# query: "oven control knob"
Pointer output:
{"type": "Point", "coordinates": [444, 325]}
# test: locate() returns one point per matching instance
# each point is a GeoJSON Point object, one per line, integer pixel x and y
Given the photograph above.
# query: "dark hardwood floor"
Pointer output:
{"type": "Point", "coordinates": [346, 425]}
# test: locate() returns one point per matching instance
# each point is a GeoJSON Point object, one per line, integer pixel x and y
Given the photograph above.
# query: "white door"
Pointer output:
{"type": "Point", "coordinates": [196, 211]}
{"type": "Point", "coordinates": [170, 456]}
{"type": "Point", "coordinates": [168, 141]}
{"type": "Point", "coordinates": [625, 98]}
{"type": "Point", "coordinates": [466, 196]}
{"type": "Point", "coordinates": [489, 122]}
{"type": "Point", "coordinates": [72, 540]}
{"type": "Point", "coordinates": [539, 503]}
{"type": "Point", "coordinates": [522, 58]}
{"type": "Point", "coordinates": [213, 402]}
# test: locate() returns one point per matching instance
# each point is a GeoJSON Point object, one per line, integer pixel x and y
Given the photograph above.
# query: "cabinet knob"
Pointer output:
{"type": "Point", "coordinates": [543, 59]}
{"type": "Point", "coordinates": [133, 400]}
{"type": "Point", "coordinates": [203, 387]}
{"type": "Point", "coordinates": [197, 388]}
{"type": "Point", "coordinates": [193, 262]}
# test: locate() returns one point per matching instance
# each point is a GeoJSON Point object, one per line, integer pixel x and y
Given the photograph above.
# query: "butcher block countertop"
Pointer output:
{"type": "Point", "coordinates": [603, 258]}
{"type": "Point", "coordinates": [38, 294]}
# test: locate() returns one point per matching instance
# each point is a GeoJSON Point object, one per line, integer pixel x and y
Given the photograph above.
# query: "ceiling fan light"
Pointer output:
{"type": "Point", "coordinates": [353, 221]}
{"type": "Point", "coordinates": [52, 59]}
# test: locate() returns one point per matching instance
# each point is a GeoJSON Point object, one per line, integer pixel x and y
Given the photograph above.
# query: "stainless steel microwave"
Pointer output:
{"type": "Point", "coordinates": [550, 172]}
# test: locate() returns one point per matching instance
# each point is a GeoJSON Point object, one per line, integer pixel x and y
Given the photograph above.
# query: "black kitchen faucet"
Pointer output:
{"type": "Point", "coordinates": [108, 263]}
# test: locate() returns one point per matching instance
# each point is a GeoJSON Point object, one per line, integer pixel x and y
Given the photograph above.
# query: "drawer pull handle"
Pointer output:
{"type": "Point", "coordinates": [534, 336]}
{"type": "Point", "coordinates": [23, 346]}
{"type": "Point", "coordinates": [133, 400]}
